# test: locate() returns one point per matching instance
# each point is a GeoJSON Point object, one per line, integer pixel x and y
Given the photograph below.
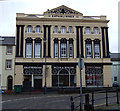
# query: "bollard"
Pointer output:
{"type": "Point", "coordinates": [117, 96]}
{"type": "Point", "coordinates": [87, 106]}
{"type": "Point", "coordinates": [72, 104]}
{"type": "Point", "coordinates": [106, 98]}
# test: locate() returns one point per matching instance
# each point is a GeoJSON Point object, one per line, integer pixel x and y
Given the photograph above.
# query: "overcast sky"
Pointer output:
{"type": "Point", "coordinates": [9, 8]}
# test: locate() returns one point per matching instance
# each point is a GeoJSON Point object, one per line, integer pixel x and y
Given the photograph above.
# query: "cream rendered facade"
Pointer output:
{"type": "Point", "coordinates": [54, 28]}
{"type": "Point", "coordinates": [7, 74]}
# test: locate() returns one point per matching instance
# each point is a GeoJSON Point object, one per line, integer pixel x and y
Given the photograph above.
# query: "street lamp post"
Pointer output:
{"type": "Point", "coordinates": [45, 68]}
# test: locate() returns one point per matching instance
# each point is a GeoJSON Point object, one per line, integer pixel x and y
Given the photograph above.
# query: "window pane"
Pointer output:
{"type": "Point", "coordinates": [97, 50]}
{"type": "Point", "coordinates": [9, 49]}
{"type": "Point", "coordinates": [37, 29]}
{"type": "Point", "coordinates": [37, 50]}
{"type": "Point", "coordinates": [9, 64]}
{"type": "Point", "coordinates": [63, 30]}
{"type": "Point", "coordinates": [88, 51]}
{"type": "Point", "coordinates": [96, 31]}
{"type": "Point", "coordinates": [56, 50]}
{"type": "Point", "coordinates": [87, 31]}
{"type": "Point", "coordinates": [70, 30]}
{"type": "Point", "coordinates": [29, 29]}
{"type": "Point", "coordinates": [28, 50]}
{"type": "Point", "coordinates": [56, 30]}
{"type": "Point", "coordinates": [63, 50]}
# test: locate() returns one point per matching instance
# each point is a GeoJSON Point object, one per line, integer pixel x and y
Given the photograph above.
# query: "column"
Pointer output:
{"type": "Point", "coordinates": [84, 49]}
{"type": "Point", "coordinates": [59, 48]}
{"type": "Point", "coordinates": [92, 48]}
{"type": "Point", "coordinates": [67, 48]}
{"type": "Point", "coordinates": [42, 42]}
{"type": "Point", "coordinates": [32, 81]}
{"type": "Point", "coordinates": [74, 46]}
{"type": "Point", "coordinates": [20, 42]}
{"type": "Point", "coordinates": [101, 50]}
{"type": "Point", "coordinates": [52, 48]}
{"type": "Point", "coordinates": [33, 48]}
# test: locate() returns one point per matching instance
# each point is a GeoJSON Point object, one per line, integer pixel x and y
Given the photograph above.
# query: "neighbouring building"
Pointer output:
{"type": "Point", "coordinates": [7, 62]}
{"type": "Point", "coordinates": [53, 41]}
{"type": "Point", "coordinates": [115, 58]}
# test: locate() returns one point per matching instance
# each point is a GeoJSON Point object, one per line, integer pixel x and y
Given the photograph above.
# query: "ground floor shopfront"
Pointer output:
{"type": "Point", "coordinates": [32, 75]}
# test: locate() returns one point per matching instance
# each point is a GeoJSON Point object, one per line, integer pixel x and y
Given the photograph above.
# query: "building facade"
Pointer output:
{"type": "Point", "coordinates": [53, 41]}
{"type": "Point", "coordinates": [115, 59]}
{"type": "Point", "coordinates": [7, 60]}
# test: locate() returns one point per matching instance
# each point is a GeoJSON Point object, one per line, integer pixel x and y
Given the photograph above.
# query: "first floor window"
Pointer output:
{"type": "Point", "coordinates": [9, 49]}
{"type": "Point", "coordinates": [63, 50]}
{"type": "Point", "coordinates": [115, 78]}
{"type": "Point", "coordinates": [37, 50]}
{"type": "Point", "coordinates": [63, 29]}
{"type": "Point", "coordinates": [28, 50]}
{"type": "Point", "coordinates": [29, 29]}
{"type": "Point", "coordinates": [97, 50]}
{"type": "Point", "coordinates": [71, 50]}
{"type": "Point", "coordinates": [37, 29]}
{"type": "Point", "coordinates": [8, 64]}
{"type": "Point", "coordinates": [96, 30]}
{"type": "Point", "coordinates": [56, 50]}
{"type": "Point", "coordinates": [70, 30]}
{"type": "Point", "coordinates": [56, 29]}
{"type": "Point", "coordinates": [87, 30]}
{"type": "Point", "coordinates": [88, 51]}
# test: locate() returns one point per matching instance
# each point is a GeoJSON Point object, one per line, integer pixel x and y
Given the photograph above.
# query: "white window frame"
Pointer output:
{"type": "Point", "coordinates": [9, 49]}
{"type": "Point", "coordinates": [70, 30]}
{"type": "Point", "coordinates": [96, 31]}
{"type": "Point", "coordinates": [56, 29]}
{"type": "Point", "coordinates": [8, 64]}
{"type": "Point", "coordinates": [97, 50]}
{"type": "Point", "coordinates": [28, 50]}
{"type": "Point", "coordinates": [38, 29]}
{"type": "Point", "coordinates": [88, 50]}
{"type": "Point", "coordinates": [29, 29]}
{"type": "Point", "coordinates": [37, 50]}
{"type": "Point", "coordinates": [87, 30]}
{"type": "Point", "coordinates": [63, 29]}
{"type": "Point", "coordinates": [71, 50]}
{"type": "Point", "coordinates": [63, 50]}
{"type": "Point", "coordinates": [56, 50]}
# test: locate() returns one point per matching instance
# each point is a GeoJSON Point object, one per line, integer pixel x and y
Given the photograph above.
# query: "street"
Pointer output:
{"type": "Point", "coordinates": [48, 101]}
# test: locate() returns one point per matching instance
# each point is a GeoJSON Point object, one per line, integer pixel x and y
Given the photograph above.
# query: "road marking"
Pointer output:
{"type": "Point", "coordinates": [35, 97]}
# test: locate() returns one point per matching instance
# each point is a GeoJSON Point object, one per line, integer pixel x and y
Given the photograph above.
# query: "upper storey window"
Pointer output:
{"type": "Point", "coordinates": [96, 31]}
{"type": "Point", "coordinates": [70, 30]}
{"type": "Point", "coordinates": [56, 29]}
{"type": "Point", "coordinates": [63, 29]}
{"type": "Point", "coordinates": [37, 29]}
{"type": "Point", "coordinates": [29, 29]}
{"type": "Point", "coordinates": [9, 49]}
{"type": "Point", "coordinates": [87, 30]}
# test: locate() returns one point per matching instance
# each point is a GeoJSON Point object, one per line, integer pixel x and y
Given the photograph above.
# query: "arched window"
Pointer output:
{"type": "Point", "coordinates": [37, 29]}
{"type": "Point", "coordinates": [87, 30]}
{"type": "Point", "coordinates": [63, 29]}
{"type": "Point", "coordinates": [63, 48]}
{"type": "Point", "coordinates": [37, 48]}
{"type": "Point", "coordinates": [97, 48]}
{"type": "Point", "coordinates": [29, 47]}
{"type": "Point", "coordinates": [56, 48]}
{"type": "Point", "coordinates": [29, 29]}
{"type": "Point", "coordinates": [88, 48]}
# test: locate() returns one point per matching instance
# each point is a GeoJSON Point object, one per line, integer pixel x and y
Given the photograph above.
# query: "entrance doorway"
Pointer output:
{"type": "Point", "coordinates": [37, 84]}
{"type": "Point", "coordinates": [10, 82]}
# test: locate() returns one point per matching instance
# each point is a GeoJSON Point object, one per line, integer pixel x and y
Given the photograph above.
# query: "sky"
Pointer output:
{"type": "Point", "coordinates": [9, 8]}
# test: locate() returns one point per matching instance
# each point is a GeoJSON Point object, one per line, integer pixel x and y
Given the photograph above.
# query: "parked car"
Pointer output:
{"type": "Point", "coordinates": [115, 84]}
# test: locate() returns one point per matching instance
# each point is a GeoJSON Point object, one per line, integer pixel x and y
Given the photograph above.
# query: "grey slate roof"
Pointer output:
{"type": "Point", "coordinates": [7, 40]}
{"type": "Point", "coordinates": [115, 56]}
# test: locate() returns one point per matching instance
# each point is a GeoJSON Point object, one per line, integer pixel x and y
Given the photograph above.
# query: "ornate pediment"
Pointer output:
{"type": "Point", "coordinates": [63, 10]}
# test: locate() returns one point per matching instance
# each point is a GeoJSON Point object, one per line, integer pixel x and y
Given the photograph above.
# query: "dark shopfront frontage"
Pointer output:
{"type": "Point", "coordinates": [32, 77]}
